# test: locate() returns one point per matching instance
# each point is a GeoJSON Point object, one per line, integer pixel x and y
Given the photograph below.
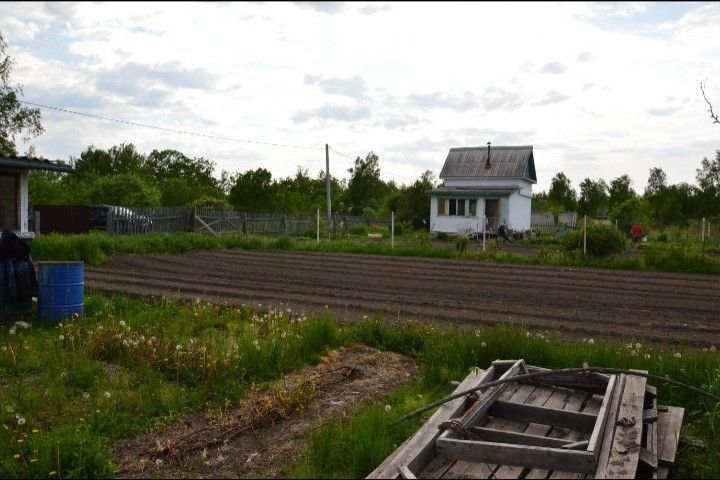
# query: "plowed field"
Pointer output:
{"type": "Point", "coordinates": [662, 308]}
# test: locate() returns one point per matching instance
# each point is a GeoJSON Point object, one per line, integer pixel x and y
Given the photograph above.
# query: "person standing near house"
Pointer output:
{"type": "Point", "coordinates": [502, 231]}
{"type": "Point", "coordinates": [636, 232]}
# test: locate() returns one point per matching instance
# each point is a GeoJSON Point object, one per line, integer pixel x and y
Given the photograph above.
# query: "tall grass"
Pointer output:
{"type": "Point", "coordinates": [130, 366]}
{"type": "Point", "coordinates": [449, 355]}
{"type": "Point", "coordinates": [95, 248]}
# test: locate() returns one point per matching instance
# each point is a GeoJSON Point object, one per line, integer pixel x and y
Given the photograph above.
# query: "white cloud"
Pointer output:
{"type": "Point", "coordinates": [408, 81]}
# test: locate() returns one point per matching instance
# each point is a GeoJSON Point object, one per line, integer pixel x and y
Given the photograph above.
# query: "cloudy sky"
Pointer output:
{"type": "Point", "coordinates": [599, 90]}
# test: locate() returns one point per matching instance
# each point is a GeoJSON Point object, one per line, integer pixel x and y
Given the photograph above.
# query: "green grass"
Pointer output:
{"type": "Point", "coordinates": [95, 248]}
{"type": "Point", "coordinates": [60, 406]}
{"type": "Point", "coordinates": [130, 366]}
{"type": "Point", "coordinates": [449, 355]}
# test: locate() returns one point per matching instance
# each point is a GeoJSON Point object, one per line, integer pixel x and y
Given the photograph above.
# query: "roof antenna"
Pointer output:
{"type": "Point", "coordinates": [487, 163]}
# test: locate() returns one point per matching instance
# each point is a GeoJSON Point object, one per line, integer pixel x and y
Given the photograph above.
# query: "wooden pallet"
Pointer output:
{"type": "Point", "coordinates": [556, 426]}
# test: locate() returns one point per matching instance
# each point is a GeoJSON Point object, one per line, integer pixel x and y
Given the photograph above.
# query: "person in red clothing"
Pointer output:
{"type": "Point", "coordinates": [636, 232]}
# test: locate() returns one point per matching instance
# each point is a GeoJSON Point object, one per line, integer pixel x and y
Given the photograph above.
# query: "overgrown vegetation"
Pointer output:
{"type": "Point", "coordinates": [602, 240]}
{"type": "Point", "coordinates": [131, 366]}
{"type": "Point", "coordinates": [95, 248]}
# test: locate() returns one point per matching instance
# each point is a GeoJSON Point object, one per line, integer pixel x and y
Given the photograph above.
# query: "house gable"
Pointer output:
{"type": "Point", "coordinates": [505, 162]}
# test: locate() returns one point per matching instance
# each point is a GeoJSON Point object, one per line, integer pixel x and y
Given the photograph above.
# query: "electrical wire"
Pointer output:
{"type": "Point", "coordinates": [542, 373]}
{"type": "Point", "coordinates": [166, 129]}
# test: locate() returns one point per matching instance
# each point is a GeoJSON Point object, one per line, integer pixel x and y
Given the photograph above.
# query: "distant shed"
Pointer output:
{"type": "Point", "coordinates": [14, 188]}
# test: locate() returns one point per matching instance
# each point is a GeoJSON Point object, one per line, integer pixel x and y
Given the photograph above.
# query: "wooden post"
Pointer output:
{"type": "Point", "coordinates": [36, 222]}
{"type": "Point", "coordinates": [392, 230]}
{"type": "Point", "coordinates": [484, 227]}
{"type": "Point", "coordinates": [317, 239]}
{"type": "Point", "coordinates": [585, 235]}
{"type": "Point", "coordinates": [110, 224]}
{"type": "Point", "coordinates": [327, 186]}
{"type": "Point", "coordinates": [285, 223]}
{"type": "Point", "coordinates": [702, 236]}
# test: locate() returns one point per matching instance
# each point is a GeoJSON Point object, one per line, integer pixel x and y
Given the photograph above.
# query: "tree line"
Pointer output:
{"type": "Point", "coordinates": [121, 175]}
{"type": "Point", "coordinates": [660, 204]}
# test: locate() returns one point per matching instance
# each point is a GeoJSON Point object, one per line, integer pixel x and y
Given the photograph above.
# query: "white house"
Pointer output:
{"type": "Point", "coordinates": [14, 189]}
{"type": "Point", "coordinates": [494, 182]}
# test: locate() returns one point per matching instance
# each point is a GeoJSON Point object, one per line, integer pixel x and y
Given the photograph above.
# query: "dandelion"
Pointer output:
{"type": "Point", "coordinates": [158, 462]}
{"type": "Point", "coordinates": [647, 356]}
{"type": "Point", "coordinates": [12, 331]}
{"type": "Point", "coordinates": [107, 394]}
{"type": "Point", "coordinates": [20, 421]}
{"type": "Point", "coordinates": [591, 341]}
{"type": "Point", "coordinates": [483, 344]}
{"type": "Point", "coordinates": [122, 323]}
{"type": "Point", "coordinates": [677, 355]}
{"type": "Point", "coordinates": [388, 408]}
{"type": "Point", "coordinates": [178, 347]}
{"type": "Point", "coordinates": [638, 346]}
{"type": "Point", "coordinates": [477, 333]}
{"type": "Point", "coordinates": [16, 456]}
{"type": "Point", "coordinates": [61, 337]}
{"type": "Point", "coordinates": [86, 395]}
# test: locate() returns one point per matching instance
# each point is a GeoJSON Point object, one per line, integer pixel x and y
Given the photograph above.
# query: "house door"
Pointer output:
{"type": "Point", "coordinates": [492, 209]}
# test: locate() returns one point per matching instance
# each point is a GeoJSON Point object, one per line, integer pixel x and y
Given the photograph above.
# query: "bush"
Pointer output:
{"type": "Point", "coordinates": [602, 240]}
{"type": "Point", "coordinates": [358, 230]}
{"type": "Point", "coordinates": [461, 243]}
{"type": "Point", "coordinates": [283, 243]}
{"type": "Point", "coordinates": [442, 236]}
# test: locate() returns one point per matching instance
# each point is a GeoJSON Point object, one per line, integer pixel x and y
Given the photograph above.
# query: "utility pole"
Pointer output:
{"type": "Point", "coordinates": [327, 186]}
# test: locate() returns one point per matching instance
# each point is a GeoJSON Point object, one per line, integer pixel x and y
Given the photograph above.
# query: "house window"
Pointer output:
{"type": "Point", "coordinates": [472, 210]}
{"type": "Point", "coordinates": [461, 207]}
{"type": "Point", "coordinates": [453, 207]}
{"type": "Point", "coordinates": [441, 206]}
{"type": "Point", "coordinates": [9, 201]}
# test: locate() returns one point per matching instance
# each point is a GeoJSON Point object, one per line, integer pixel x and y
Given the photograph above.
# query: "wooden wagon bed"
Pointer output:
{"type": "Point", "coordinates": [556, 426]}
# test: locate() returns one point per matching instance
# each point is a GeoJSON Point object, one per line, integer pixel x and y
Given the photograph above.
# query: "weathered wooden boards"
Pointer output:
{"type": "Point", "coordinates": [560, 426]}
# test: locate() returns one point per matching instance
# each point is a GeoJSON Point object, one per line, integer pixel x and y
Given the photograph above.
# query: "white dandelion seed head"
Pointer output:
{"type": "Point", "coordinates": [388, 408]}
{"type": "Point", "coordinates": [107, 394]}
{"type": "Point", "coordinates": [122, 323]}
{"type": "Point", "coordinates": [483, 344]}
{"type": "Point", "coordinates": [61, 337]}
{"type": "Point", "coordinates": [678, 355]}
{"type": "Point", "coordinates": [20, 421]}
{"type": "Point", "coordinates": [12, 331]}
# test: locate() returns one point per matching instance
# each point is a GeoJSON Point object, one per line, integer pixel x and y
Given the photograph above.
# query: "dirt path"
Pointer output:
{"type": "Point", "coordinates": [663, 308]}
{"type": "Point", "coordinates": [268, 431]}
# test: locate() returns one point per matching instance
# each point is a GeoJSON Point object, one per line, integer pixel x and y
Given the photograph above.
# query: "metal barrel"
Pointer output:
{"type": "Point", "coordinates": [61, 290]}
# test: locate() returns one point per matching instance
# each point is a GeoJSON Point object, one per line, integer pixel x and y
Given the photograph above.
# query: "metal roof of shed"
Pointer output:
{"type": "Point", "coordinates": [505, 162]}
{"type": "Point", "coordinates": [500, 190]}
{"type": "Point", "coordinates": [32, 163]}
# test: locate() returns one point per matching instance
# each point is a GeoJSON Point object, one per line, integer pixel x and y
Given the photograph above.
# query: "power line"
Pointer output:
{"type": "Point", "coordinates": [166, 129]}
{"type": "Point", "coordinates": [351, 158]}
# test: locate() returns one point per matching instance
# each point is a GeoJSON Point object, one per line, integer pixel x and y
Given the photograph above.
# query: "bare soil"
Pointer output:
{"type": "Point", "coordinates": [268, 431]}
{"type": "Point", "coordinates": [578, 302]}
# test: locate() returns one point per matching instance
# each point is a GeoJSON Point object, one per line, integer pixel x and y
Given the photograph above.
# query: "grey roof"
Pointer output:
{"type": "Point", "coordinates": [505, 162]}
{"type": "Point", "coordinates": [35, 164]}
{"type": "Point", "coordinates": [474, 191]}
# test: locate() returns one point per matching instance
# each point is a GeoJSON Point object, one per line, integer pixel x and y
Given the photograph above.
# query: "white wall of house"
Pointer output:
{"type": "Point", "coordinates": [456, 223]}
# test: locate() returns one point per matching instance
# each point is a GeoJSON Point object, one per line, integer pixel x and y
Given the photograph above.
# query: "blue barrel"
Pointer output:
{"type": "Point", "coordinates": [61, 290]}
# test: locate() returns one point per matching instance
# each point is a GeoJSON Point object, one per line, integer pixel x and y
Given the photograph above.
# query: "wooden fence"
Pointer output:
{"type": "Point", "coordinates": [122, 220]}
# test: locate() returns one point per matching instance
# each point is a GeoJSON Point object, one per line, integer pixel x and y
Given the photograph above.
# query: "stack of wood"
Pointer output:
{"type": "Point", "coordinates": [560, 425]}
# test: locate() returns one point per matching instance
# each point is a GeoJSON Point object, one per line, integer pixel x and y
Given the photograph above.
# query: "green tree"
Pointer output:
{"type": "Point", "coordinates": [630, 211]}
{"type": "Point", "coordinates": [15, 119]}
{"type": "Point", "coordinates": [253, 191]}
{"type": "Point", "coordinates": [126, 190]}
{"type": "Point", "coordinates": [121, 159]}
{"type": "Point", "coordinates": [412, 203]}
{"type": "Point", "coordinates": [561, 193]}
{"type": "Point", "coordinates": [708, 175]}
{"type": "Point", "coordinates": [46, 188]}
{"type": "Point", "coordinates": [657, 181]}
{"type": "Point", "coordinates": [620, 190]}
{"type": "Point", "coordinates": [593, 197]}
{"type": "Point", "coordinates": [364, 186]}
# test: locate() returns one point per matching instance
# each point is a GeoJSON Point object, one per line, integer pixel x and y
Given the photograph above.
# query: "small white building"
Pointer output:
{"type": "Point", "coordinates": [14, 189]}
{"type": "Point", "coordinates": [491, 182]}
